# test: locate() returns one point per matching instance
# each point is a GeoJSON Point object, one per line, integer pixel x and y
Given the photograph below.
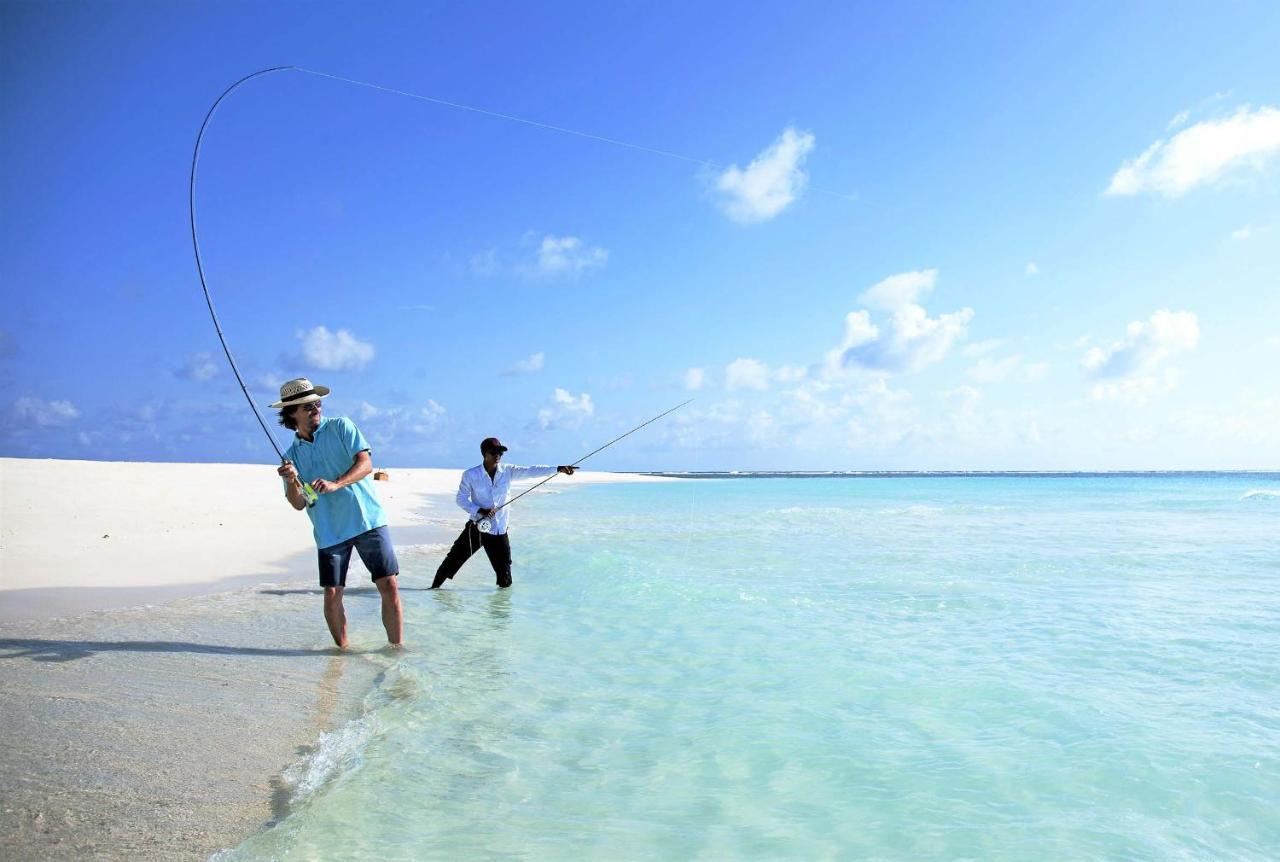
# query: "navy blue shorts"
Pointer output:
{"type": "Point", "coordinates": [374, 548]}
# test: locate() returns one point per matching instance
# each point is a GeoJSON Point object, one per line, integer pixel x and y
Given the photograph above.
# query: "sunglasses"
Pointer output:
{"type": "Point", "coordinates": [313, 407]}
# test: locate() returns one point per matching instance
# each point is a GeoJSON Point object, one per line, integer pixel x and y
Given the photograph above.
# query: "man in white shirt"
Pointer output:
{"type": "Point", "coordinates": [482, 493]}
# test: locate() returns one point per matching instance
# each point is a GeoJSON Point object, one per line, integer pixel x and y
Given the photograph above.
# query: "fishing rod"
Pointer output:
{"type": "Point", "coordinates": [485, 525]}
{"type": "Point", "coordinates": [308, 491]}
{"type": "Point", "coordinates": [195, 239]}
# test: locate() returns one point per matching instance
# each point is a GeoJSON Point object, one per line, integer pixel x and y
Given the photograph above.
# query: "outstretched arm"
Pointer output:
{"type": "Point", "coordinates": [537, 471]}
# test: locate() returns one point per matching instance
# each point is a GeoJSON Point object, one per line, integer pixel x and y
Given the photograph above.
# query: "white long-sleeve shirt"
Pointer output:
{"type": "Point", "coordinates": [477, 491]}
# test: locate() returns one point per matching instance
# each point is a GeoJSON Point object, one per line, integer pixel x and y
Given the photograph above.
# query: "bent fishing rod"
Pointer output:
{"type": "Point", "coordinates": [195, 240]}
{"type": "Point", "coordinates": [308, 491]}
{"type": "Point", "coordinates": [485, 525]}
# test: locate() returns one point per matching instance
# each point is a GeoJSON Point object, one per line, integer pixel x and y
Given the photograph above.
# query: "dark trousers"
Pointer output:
{"type": "Point", "coordinates": [497, 548]}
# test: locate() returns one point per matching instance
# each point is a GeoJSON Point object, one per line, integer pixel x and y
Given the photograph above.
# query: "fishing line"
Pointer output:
{"type": "Point", "coordinates": [485, 525]}
{"type": "Point", "coordinates": [195, 163]}
{"type": "Point", "coordinates": [195, 239]}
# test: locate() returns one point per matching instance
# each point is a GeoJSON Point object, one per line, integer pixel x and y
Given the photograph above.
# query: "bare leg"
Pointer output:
{"type": "Point", "coordinates": [392, 615]}
{"type": "Point", "coordinates": [335, 615]}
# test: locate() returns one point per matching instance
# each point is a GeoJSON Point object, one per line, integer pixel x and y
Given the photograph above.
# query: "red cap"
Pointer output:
{"type": "Point", "coordinates": [491, 444]}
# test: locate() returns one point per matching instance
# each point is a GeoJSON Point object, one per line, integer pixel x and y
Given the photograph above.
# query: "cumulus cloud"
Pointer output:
{"type": "Point", "coordinates": [566, 411]}
{"type": "Point", "coordinates": [1146, 345]}
{"type": "Point", "coordinates": [1202, 154]}
{"type": "Point", "coordinates": [28, 410]}
{"type": "Point", "coordinates": [387, 423]}
{"type": "Point", "coordinates": [528, 365]}
{"type": "Point", "coordinates": [790, 373]}
{"type": "Point", "coordinates": [427, 419]}
{"type": "Point", "coordinates": [334, 351]}
{"type": "Point", "coordinates": [1136, 390]}
{"type": "Point", "coordinates": [770, 183]}
{"type": "Point", "coordinates": [909, 339]}
{"type": "Point", "coordinates": [982, 348]}
{"type": "Point", "coordinates": [1249, 232]}
{"type": "Point", "coordinates": [695, 378]}
{"type": "Point", "coordinates": [746, 374]}
{"type": "Point", "coordinates": [569, 256]}
{"type": "Point", "coordinates": [899, 290]}
{"type": "Point", "coordinates": [198, 367]}
{"type": "Point", "coordinates": [1035, 371]}
{"type": "Point", "coordinates": [989, 370]}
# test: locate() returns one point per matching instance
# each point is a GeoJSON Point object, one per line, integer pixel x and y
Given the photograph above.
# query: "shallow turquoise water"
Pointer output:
{"type": "Point", "coordinates": [987, 668]}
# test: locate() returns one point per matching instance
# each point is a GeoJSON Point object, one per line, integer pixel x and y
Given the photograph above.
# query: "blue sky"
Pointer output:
{"type": "Point", "coordinates": [922, 237]}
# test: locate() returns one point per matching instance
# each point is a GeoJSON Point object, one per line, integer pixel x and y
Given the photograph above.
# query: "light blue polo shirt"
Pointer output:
{"type": "Point", "coordinates": [347, 512]}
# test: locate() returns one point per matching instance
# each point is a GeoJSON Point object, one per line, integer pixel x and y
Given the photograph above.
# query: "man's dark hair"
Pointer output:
{"type": "Point", "coordinates": [286, 417]}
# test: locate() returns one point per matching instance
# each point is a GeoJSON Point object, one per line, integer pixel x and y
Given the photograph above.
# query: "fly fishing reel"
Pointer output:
{"type": "Point", "coordinates": [485, 525]}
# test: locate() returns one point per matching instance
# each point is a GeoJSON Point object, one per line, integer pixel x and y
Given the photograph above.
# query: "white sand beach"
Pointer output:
{"type": "Point", "coordinates": [89, 535]}
{"type": "Point", "coordinates": [163, 659]}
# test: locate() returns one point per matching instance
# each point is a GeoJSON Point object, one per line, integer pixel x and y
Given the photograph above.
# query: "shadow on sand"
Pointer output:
{"type": "Point", "coordinates": [349, 591]}
{"type": "Point", "coordinates": [55, 650]}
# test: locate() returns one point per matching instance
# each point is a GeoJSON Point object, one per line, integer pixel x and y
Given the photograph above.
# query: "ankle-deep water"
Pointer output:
{"type": "Point", "coordinates": [1013, 667]}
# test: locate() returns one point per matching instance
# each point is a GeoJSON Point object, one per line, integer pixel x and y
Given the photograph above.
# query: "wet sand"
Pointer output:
{"type": "Point", "coordinates": [163, 733]}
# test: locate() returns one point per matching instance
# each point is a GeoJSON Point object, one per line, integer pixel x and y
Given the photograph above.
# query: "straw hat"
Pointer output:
{"type": "Point", "coordinates": [300, 391]}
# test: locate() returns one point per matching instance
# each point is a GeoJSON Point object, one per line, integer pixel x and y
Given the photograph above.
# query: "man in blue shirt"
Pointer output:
{"type": "Point", "coordinates": [482, 494]}
{"type": "Point", "coordinates": [333, 456]}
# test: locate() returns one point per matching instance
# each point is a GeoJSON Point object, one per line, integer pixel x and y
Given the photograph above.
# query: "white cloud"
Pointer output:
{"type": "Point", "coordinates": [910, 339]}
{"type": "Point", "coordinates": [965, 398]}
{"type": "Point", "coordinates": [566, 411]}
{"type": "Point", "coordinates": [334, 351]}
{"type": "Point", "coordinates": [568, 255]}
{"type": "Point", "coordinates": [982, 348]}
{"type": "Point", "coordinates": [1032, 269]}
{"type": "Point", "coordinates": [428, 418]}
{"type": "Point", "coordinates": [695, 378]}
{"type": "Point", "coordinates": [1146, 345]}
{"type": "Point", "coordinates": [44, 414]}
{"type": "Point", "coordinates": [1179, 119]}
{"type": "Point", "coordinates": [529, 365]}
{"type": "Point", "coordinates": [1202, 154]}
{"type": "Point", "coordinates": [991, 370]}
{"type": "Point", "coordinates": [1136, 390]}
{"type": "Point", "coordinates": [988, 370]}
{"type": "Point", "coordinates": [790, 373]}
{"type": "Point", "coordinates": [388, 422]}
{"type": "Point", "coordinates": [899, 290]}
{"type": "Point", "coordinates": [770, 183]}
{"type": "Point", "coordinates": [1249, 232]}
{"type": "Point", "coordinates": [199, 367]}
{"type": "Point", "coordinates": [271, 381]}
{"type": "Point", "coordinates": [1035, 371]}
{"type": "Point", "coordinates": [746, 374]}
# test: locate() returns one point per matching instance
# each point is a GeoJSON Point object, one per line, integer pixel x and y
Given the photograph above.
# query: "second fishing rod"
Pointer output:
{"type": "Point", "coordinates": [485, 525]}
